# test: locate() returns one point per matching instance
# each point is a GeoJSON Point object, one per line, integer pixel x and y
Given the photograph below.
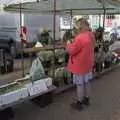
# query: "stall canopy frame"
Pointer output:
{"type": "Point", "coordinates": [78, 7]}
{"type": "Point", "coordinates": [114, 2]}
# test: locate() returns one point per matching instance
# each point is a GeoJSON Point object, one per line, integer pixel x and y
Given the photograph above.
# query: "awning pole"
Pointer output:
{"type": "Point", "coordinates": [104, 8]}
{"type": "Point", "coordinates": [71, 17]}
{"type": "Point", "coordinates": [22, 47]}
{"type": "Point", "coordinates": [104, 19]}
{"type": "Point", "coordinates": [71, 21]}
{"type": "Point", "coordinates": [99, 20]}
{"type": "Point", "coordinates": [54, 37]}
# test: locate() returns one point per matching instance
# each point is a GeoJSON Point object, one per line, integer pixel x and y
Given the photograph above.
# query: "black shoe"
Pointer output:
{"type": "Point", "coordinates": [86, 101]}
{"type": "Point", "coordinates": [77, 105]}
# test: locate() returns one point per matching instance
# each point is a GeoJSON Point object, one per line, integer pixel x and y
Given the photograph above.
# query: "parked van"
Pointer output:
{"type": "Point", "coordinates": [10, 28]}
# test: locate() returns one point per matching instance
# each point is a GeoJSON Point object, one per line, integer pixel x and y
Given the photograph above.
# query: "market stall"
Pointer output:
{"type": "Point", "coordinates": [47, 6]}
{"type": "Point", "coordinates": [59, 7]}
{"type": "Point", "coordinates": [114, 2]}
{"type": "Point", "coordinates": [51, 56]}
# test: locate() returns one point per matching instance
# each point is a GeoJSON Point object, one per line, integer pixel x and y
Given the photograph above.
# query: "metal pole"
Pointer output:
{"type": "Point", "coordinates": [104, 8]}
{"type": "Point", "coordinates": [71, 17]}
{"type": "Point", "coordinates": [54, 21]}
{"type": "Point", "coordinates": [22, 47]}
{"type": "Point", "coordinates": [54, 37]}
{"type": "Point", "coordinates": [71, 20]}
{"type": "Point", "coordinates": [104, 19]}
{"type": "Point", "coordinates": [99, 20]}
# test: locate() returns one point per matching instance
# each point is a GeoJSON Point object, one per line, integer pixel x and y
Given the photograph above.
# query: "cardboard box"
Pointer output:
{"type": "Point", "coordinates": [28, 89]}
{"type": "Point", "coordinates": [14, 96]}
{"type": "Point", "coordinates": [24, 93]}
{"type": "Point", "coordinates": [37, 87]}
{"type": "Point", "coordinates": [11, 97]}
{"type": "Point", "coordinates": [48, 81]}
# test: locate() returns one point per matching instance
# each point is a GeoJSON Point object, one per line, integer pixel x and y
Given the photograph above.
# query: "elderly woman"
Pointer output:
{"type": "Point", "coordinates": [81, 61]}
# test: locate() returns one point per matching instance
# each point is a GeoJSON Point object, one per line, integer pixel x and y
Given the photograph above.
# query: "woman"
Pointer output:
{"type": "Point", "coordinates": [81, 61]}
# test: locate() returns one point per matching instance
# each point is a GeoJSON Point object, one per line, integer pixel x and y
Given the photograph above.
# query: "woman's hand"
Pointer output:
{"type": "Point", "coordinates": [68, 42]}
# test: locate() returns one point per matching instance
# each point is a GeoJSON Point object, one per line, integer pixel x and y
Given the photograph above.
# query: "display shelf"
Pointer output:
{"type": "Point", "coordinates": [66, 87]}
{"type": "Point", "coordinates": [105, 71]}
{"type": "Point", "coordinates": [63, 88]}
{"type": "Point", "coordinates": [37, 49]}
{"type": "Point", "coordinates": [50, 89]}
{"type": "Point", "coordinates": [58, 66]}
{"type": "Point", "coordinates": [55, 90]}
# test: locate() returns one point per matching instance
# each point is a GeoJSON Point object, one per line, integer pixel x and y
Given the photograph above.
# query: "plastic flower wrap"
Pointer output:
{"type": "Point", "coordinates": [45, 55]}
{"type": "Point", "coordinates": [58, 74]}
{"type": "Point", "coordinates": [37, 70]}
{"type": "Point", "coordinates": [9, 88]}
{"type": "Point", "coordinates": [108, 56]}
{"type": "Point", "coordinates": [44, 37]}
{"type": "Point", "coordinates": [67, 76]}
{"type": "Point", "coordinates": [24, 81]}
{"type": "Point", "coordinates": [60, 55]}
{"type": "Point", "coordinates": [61, 74]}
{"type": "Point", "coordinates": [46, 58]}
{"type": "Point", "coordinates": [100, 56]}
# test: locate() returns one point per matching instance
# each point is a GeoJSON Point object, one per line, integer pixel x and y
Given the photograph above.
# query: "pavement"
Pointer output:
{"type": "Point", "coordinates": [105, 103]}
{"type": "Point", "coordinates": [115, 46]}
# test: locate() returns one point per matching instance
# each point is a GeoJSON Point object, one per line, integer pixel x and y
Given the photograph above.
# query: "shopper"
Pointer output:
{"type": "Point", "coordinates": [81, 62]}
{"type": "Point", "coordinates": [67, 36]}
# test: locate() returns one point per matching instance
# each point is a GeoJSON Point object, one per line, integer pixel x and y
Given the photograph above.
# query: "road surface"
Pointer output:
{"type": "Point", "coordinates": [105, 103]}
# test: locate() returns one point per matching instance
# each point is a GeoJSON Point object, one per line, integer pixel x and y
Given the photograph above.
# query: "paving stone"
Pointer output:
{"type": "Point", "coordinates": [105, 103]}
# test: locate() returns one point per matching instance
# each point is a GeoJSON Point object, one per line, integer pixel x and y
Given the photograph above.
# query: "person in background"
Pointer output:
{"type": "Point", "coordinates": [99, 58]}
{"type": "Point", "coordinates": [81, 62]}
{"type": "Point", "coordinates": [44, 37]}
{"type": "Point", "coordinates": [67, 36]}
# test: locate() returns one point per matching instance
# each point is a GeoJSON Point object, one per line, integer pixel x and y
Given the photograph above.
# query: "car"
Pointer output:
{"type": "Point", "coordinates": [6, 58]}
{"type": "Point", "coordinates": [115, 33]}
{"type": "Point", "coordinates": [12, 37]}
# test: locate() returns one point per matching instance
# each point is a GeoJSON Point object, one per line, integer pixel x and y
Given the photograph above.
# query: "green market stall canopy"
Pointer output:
{"type": "Point", "coordinates": [114, 2]}
{"type": "Point", "coordinates": [78, 7]}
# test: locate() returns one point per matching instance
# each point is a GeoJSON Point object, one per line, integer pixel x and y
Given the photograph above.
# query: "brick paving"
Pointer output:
{"type": "Point", "coordinates": [105, 103]}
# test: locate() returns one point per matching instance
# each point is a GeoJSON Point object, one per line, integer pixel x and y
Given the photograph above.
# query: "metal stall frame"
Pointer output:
{"type": "Point", "coordinates": [22, 46]}
{"type": "Point", "coordinates": [64, 11]}
{"type": "Point", "coordinates": [53, 47]}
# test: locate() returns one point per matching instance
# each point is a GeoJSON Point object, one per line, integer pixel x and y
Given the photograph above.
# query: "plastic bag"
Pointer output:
{"type": "Point", "coordinates": [60, 56]}
{"type": "Point", "coordinates": [38, 44]}
{"type": "Point", "coordinates": [45, 55]}
{"type": "Point", "coordinates": [37, 70]}
{"type": "Point", "coordinates": [108, 56]}
{"type": "Point", "coordinates": [58, 74]}
{"type": "Point", "coordinates": [67, 75]}
{"type": "Point", "coordinates": [61, 74]}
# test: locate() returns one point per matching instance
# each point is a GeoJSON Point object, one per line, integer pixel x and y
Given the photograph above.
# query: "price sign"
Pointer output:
{"type": "Point", "coordinates": [65, 22]}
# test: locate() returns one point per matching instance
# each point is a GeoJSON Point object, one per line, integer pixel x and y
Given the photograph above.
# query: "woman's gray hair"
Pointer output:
{"type": "Point", "coordinates": [82, 24]}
